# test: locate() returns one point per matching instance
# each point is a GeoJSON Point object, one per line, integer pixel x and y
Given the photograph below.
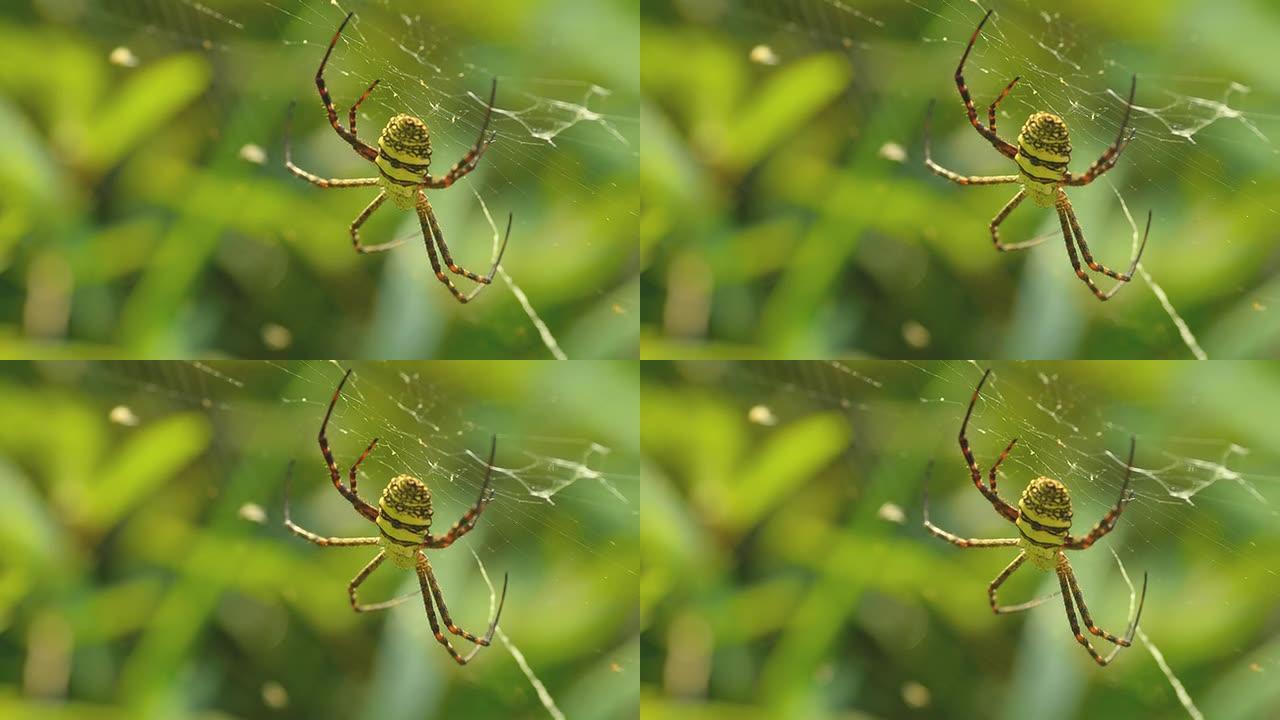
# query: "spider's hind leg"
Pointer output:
{"type": "Point", "coordinates": [311, 177]}
{"type": "Point", "coordinates": [948, 174]}
{"type": "Point", "coordinates": [991, 111]}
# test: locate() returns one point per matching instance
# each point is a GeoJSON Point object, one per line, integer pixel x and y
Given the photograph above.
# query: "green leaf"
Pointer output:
{"type": "Point", "coordinates": [148, 458]}
{"type": "Point", "coordinates": [788, 458]}
{"type": "Point", "coordinates": [149, 100]}
{"type": "Point", "coordinates": [783, 105]}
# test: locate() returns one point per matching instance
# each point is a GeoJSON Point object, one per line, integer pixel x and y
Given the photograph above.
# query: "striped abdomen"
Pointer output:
{"type": "Point", "coordinates": [1044, 149]}
{"type": "Point", "coordinates": [1044, 519]}
{"type": "Point", "coordinates": [404, 518]}
{"type": "Point", "coordinates": [404, 158]}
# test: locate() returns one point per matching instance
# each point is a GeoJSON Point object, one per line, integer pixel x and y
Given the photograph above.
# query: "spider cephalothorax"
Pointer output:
{"type": "Point", "coordinates": [1043, 519]}
{"type": "Point", "coordinates": [403, 159]}
{"type": "Point", "coordinates": [403, 517]}
{"type": "Point", "coordinates": [1042, 154]}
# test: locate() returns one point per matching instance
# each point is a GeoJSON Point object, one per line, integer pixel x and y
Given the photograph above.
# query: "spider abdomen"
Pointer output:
{"type": "Point", "coordinates": [1044, 519]}
{"type": "Point", "coordinates": [1044, 149]}
{"type": "Point", "coordinates": [404, 518]}
{"type": "Point", "coordinates": [404, 158]}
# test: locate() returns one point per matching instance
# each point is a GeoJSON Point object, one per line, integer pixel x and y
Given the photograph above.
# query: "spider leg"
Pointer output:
{"type": "Point", "coordinates": [1088, 257]}
{"type": "Point", "coordinates": [956, 539]}
{"type": "Point", "coordinates": [355, 583]}
{"type": "Point", "coordinates": [1005, 509]}
{"type": "Point", "coordinates": [360, 220]}
{"type": "Point", "coordinates": [1006, 148]}
{"type": "Point", "coordinates": [1112, 153]}
{"type": "Point", "coordinates": [999, 218]}
{"type": "Point", "coordinates": [1108, 521]}
{"type": "Point", "coordinates": [1071, 230]}
{"type": "Point", "coordinates": [467, 522]}
{"type": "Point", "coordinates": [364, 150]}
{"type": "Point", "coordinates": [1075, 261]}
{"type": "Point", "coordinates": [994, 587]}
{"type": "Point", "coordinates": [309, 177]}
{"type": "Point", "coordinates": [444, 610]}
{"type": "Point", "coordinates": [351, 117]}
{"type": "Point", "coordinates": [312, 537]}
{"type": "Point", "coordinates": [364, 508]}
{"type": "Point", "coordinates": [1088, 621]}
{"type": "Point", "coordinates": [954, 176]}
{"type": "Point", "coordinates": [426, 579]}
{"type": "Point", "coordinates": [444, 247]}
{"type": "Point", "coordinates": [432, 236]}
{"type": "Point", "coordinates": [351, 476]}
{"type": "Point", "coordinates": [991, 111]}
{"type": "Point", "coordinates": [468, 161]}
{"type": "Point", "coordinates": [991, 477]}
{"type": "Point", "coordinates": [1070, 588]}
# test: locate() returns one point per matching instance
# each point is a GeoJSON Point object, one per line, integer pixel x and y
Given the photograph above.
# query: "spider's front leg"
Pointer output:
{"type": "Point", "coordinates": [360, 220]}
{"type": "Point", "coordinates": [430, 589]}
{"type": "Point", "coordinates": [433, 236]}
{"type": "Point", "coordinates": [1071, 588]}
{"type": "Point", "coordinates": [1000, 218]}
{"type": "Point", "coordinates": [359, 579]}
{"type": "Point", "coordinates": [1073, 235]}
{"type": "Point", "coordinates": [994, 588]}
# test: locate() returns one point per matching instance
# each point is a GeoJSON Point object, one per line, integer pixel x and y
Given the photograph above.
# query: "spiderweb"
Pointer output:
{"type": "Point", "coordinates": [1205, 481]}
{"type": "Point", "coordinates": [1206, 135]}
{"type": "Point", "coordinates": [578, 129]}
{"type": "Point", "coordinates": [570, 496]}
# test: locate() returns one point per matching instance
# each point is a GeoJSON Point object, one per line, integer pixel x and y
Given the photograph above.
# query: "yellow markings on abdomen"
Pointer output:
{"type": "Point", "coordinates": [1044, 519]}
{"type": "Point", "coordinates": [1044, 149]}
{"type": "Point", "coordinates": [404, 518]}
{"type": "Point", "coordinates": [404, 158]}
{"type": "Point", "coordinates": [404, 149]}
{"type": "Point", "coordinates": [1037, 168]}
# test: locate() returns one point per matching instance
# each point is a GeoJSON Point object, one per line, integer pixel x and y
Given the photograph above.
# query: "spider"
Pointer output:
{"type": "Point", "coordinates": [1043, 519]}
{"type": "Point", "coordinates": [403, 159]}
{"type": "Point", "coordinates": [1042, 154]}
{"type": "Point", "coordinates": [403, 517]}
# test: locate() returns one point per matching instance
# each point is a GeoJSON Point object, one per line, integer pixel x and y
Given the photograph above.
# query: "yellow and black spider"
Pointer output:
{"type": "Point", "coordinates": [403, 159]}
{"type": "Point", "coordinates": [1042, 154]}
{"type": "Point", "coordinates": [1043, 519]}
{"type": "Point", "coordinates": [403, 517]}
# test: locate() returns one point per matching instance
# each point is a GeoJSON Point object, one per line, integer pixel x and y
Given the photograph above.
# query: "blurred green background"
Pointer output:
{"type": "Point", "coordinates": [789, 214]}
{"type": "Point", "coordinates": [146, 572]}
{"type": "Point", "coordinates": [147, 211]}
{"type": "Point", "coordinates": [787, 574]}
